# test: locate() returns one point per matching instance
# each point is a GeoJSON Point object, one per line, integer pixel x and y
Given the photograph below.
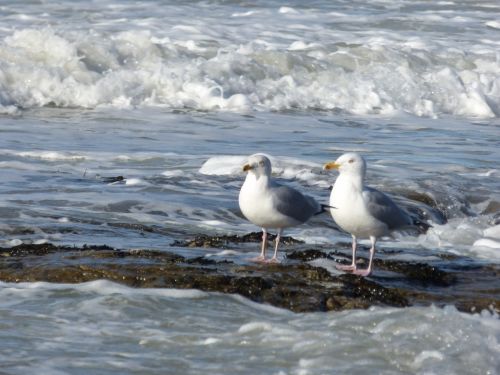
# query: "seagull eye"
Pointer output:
{"type": "Point", "coordinates": [351, 161]}
{"type": "Point", "coordinates": [261, 163]}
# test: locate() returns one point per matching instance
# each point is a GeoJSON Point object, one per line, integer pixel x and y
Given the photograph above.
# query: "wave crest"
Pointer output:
{"type": "Point", "coordinates": [127, 69]}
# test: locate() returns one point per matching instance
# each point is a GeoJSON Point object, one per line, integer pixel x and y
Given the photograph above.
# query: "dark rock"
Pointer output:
{"type": "Point", "coordinates": [372, 292]}
{"type": "Point", "coordinates": [306, 255]}
{"type": "Point", "coordinates": [28, 249]}
{"type": "Point", "coordinates": [223, 242]}
{"type": "Point", "coordinates": [97, 247]}
{"type": "Point", "coordinates": [295, 285]}
{"type": "Point", "coordinates": [113, 179]}
{"type": "Point", "coordinates": [423, 274]}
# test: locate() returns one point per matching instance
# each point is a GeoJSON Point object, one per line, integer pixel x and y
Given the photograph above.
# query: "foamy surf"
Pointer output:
{"type": "Point", "coordinates": [297, 62]}
{"type": "Point", "coordinates": [143, 330]}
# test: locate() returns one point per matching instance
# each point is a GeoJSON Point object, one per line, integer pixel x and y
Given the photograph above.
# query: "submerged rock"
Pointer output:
{"type": "Point", "coordinates": [298, 284]}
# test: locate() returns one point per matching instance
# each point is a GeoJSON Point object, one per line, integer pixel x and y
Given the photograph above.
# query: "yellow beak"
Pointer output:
{"type": "Point", "coordinates": [247, 167]}
{"type": "Point", "coordinates": [331, 165]}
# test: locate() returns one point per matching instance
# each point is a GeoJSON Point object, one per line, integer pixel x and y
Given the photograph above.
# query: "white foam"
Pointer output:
{"type": "Point", "coordinates": [426, 356]}
{"type": "Point", "coordinates": [463, 236]}
{"type": "Point", "coordinates": [8, 109]}
{"type": "Point", "coordinates": [225, 253]}
{"type": "Point", "coordinates": [254, 327]}
{"type": "Point", "coordinates": [51, 155]}
{"type": "Point", "coordinates": [223, 165]}
{"type": "Point", "coordinates": [14, 242]}
{"type": "Point", "coordinates": [288, 10]}
{"type": "Point", "coordinates": [458, 231]}
{"type": "Point", "coordinates": [104, 287]}
{"type": "Point", "coordinates": [492, 232]}
{"type": "Point", "coordinates": [135, 182]}
{"type": "Point", "coordinates": [173, 173]}
{"type": "Point", "coordinates": [487, 242]}
{"type": "Point", "coordinates": [493, 24]}
{"type": "Point", "coordinates": [244, 14]}
{"type": "Point", "coordinates": [489, 173]}
{"type": "Point", "coordinates": [129, 330]}
{"type": "Point", "coordinates": [211, 341]}
{"type": "Point", "coordinates": [486, 248]}
{"type": "Point", "coordinates": [214, 223]}
{"type": "Point", "coordinates": [377, 76]}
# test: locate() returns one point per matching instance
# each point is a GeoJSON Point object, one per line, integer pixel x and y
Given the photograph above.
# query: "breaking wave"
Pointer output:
{"type": "Point", "coordinates": [44, 67]}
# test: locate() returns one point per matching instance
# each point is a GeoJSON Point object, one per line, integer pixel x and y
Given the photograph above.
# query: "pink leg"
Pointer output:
{"type": "Point", "coordinates": [352, 266]}
{"type": "Point", "coordinates": [274, 259]}
{"type": "Point", "coordinates": [368, 271]}
{"type": "Point", "coordinates": [261, 258]}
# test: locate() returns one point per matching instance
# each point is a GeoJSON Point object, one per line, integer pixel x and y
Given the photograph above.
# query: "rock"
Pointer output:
{"type": "Point", "coordinates": [112, 180]}
{"type": "Point", "coordinates": [419, 273]}
{"type": "Point", "coordinates": [296, 284]}
{"type": "Point", "coordinates": [223, 242]}
{"type": "Point", "coordinates": [307, 255]}
{"type": "Point", "coordinates": [492, 208]}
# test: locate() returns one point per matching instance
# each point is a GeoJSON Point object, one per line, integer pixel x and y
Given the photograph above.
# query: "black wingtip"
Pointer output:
{"type": "Point", "coordinates": [324, 208]}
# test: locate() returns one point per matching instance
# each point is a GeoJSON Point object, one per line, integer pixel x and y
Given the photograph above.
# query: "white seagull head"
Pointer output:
{"type": "Point", "coordinates": [259, 165]}
{"type": "Point", "coordinates": [349, 163]}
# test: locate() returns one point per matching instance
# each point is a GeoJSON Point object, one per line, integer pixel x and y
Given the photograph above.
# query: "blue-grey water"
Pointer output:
{"type": "Point", "coordinates": [173, 97]}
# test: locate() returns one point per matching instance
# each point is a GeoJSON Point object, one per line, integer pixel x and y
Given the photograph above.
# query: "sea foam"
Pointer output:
{"type": "Point", "coordinates": [42, 67]}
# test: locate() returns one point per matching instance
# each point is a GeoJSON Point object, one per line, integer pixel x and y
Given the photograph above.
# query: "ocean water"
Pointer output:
{"type": "Point", "coordinates": [173, 96]}
{"type": "Point", "coordinates": [104, 328]}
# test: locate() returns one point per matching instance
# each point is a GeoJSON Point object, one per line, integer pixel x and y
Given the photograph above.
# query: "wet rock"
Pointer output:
{"type": "Point", "coordinates": [306, 255]}
{"type": "Point", "coordinates": [112, 179]}
{"type": "Point", "coordinates": [224, 242]}
{"type": "Point", "coordinates": [492, 208]}
{"type": "Point", "coordinates": [430, 210]}
{"type": "Point", "coordinates": [28, 249]}
{"type": "Point", "coordinates": [421, 273]}
{"type": "Point", "coordinates": [372, 292]}
{"type": "Point", "coordinates": [296, 284]}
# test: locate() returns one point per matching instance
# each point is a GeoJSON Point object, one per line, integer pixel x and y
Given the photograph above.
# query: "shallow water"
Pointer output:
{"type": "Point", "coordinates": [182, 173]}
{"type": "Point", "coordinates": [174, 97]}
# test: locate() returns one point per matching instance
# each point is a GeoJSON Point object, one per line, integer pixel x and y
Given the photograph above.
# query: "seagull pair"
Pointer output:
{"type": "Point", "coordinates": [357, 209]}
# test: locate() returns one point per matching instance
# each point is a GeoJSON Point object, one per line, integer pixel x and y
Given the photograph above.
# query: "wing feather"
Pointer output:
{"type": "Point", "coordinates": [292, 203]}
{"type": "Point", "coordinates": [384, 209]}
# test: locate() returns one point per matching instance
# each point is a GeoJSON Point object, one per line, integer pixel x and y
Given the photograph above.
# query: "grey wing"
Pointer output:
{"type": "Point", "coordinates": [384, 209]}
{"type": "Point", "coordinates": [293, 203]}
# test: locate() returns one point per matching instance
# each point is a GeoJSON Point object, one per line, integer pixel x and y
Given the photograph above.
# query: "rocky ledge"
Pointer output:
{"type": "Point", "coordinates": [305, 281]}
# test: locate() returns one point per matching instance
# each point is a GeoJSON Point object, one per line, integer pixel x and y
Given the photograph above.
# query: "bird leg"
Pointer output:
{"type": "Point", "coordinates": [368, 271]}
{"type": "Point", "coordinates": [274, 259]}
{"type": "Point", "coordinates": [352, 266]}
{"type": "Point", "coordinates": [262, 256]}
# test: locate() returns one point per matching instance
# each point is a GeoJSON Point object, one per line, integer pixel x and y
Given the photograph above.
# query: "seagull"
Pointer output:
{"type": "Point", "coordinates": [361, 210]}
{"type": "Point", "coordinates": [270, 205]}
